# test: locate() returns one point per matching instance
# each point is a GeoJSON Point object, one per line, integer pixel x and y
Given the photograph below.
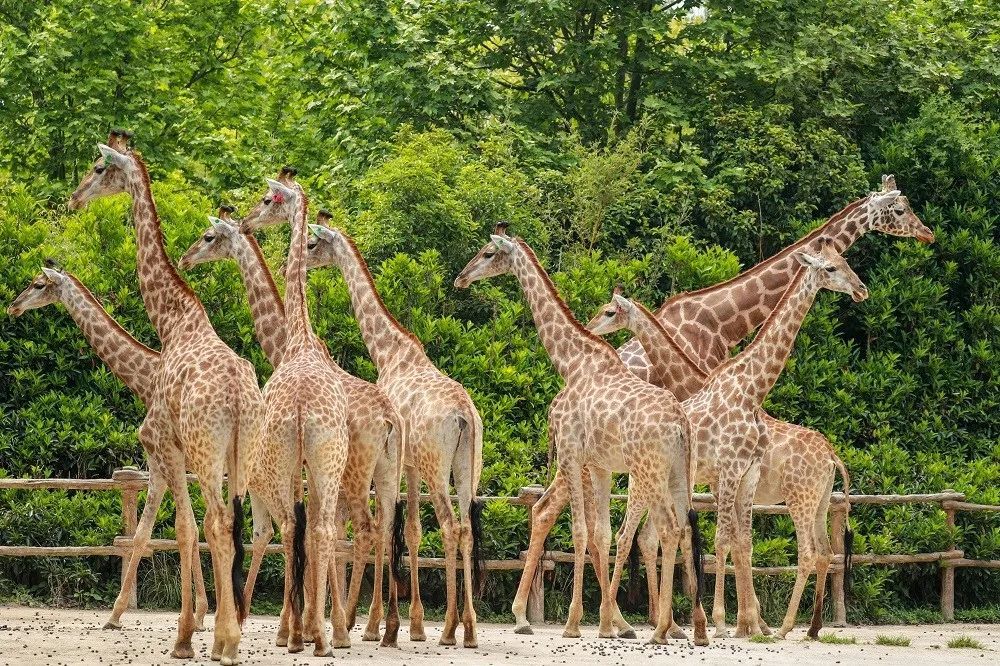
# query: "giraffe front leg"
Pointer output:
{"type": "Point", "coordinates": [544, 514]}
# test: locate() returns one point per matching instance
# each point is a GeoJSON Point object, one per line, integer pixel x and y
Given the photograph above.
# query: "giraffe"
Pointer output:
{"type": "Point", "coordinates": [138, 367]}
{"type": "Point", "coordinates": [797, 466]}
{"type": "Point", "coordinates": [707, 323]}
{"type": "Point", "coordinates": [206, 408]}
{"type": "Point", "coordinates": [444, 438]}
{"type": "Point", "coordinates": [604, 420]}
{"type": "Point", "coordinates": [731, 438]}
{"type": "Point", "coordinates": [305, 419]}
{"type": "Point", "coordinates": [374, 426]}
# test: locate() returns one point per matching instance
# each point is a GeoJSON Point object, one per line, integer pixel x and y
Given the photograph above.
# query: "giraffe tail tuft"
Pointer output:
{"type": "Point", "coordinates": [237, 570]}
{"type": "Point", "coordinates": [298, 558]}
{"type": "Point", "coordinates": [697, 554]}
{"type": "Point", "coordinates": [632, 593]}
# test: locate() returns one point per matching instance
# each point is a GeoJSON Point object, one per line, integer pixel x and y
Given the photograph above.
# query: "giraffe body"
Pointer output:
{"type": "Point", "coordinates": [375, 429]}
{"type": "Point", "coordinates": [305, 420]}
{"type": "Point", "coordinates": [207, 406]}
{"type": "Point", "coordinates": [604, 420]}
{"type": "Point", "coordinates": [444, 437]}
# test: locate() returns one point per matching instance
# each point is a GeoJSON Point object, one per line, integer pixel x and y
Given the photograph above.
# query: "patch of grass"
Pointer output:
{"type": "Point", "coordinates": [761, 638]}
{"type": "Point", "coordinates": [833, 639]}
{"type": "Point", "coordinates": [990, 614]}
{"type": "Point", "coordinates": [894, 641]}
{"type": "Point", "coordinates": [965, 642]}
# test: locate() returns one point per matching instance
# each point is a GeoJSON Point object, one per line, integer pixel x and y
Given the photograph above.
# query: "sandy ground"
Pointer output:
{"type": "Point", "coordinates": [51, 636]}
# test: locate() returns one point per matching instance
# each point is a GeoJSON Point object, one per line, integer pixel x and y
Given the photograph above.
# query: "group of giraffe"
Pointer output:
{"type": "Point", "coordinates": [671, 409]}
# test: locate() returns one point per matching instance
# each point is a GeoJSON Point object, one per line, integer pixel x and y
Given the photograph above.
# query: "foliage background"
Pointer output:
{"type": "Point", "coordinates": [626, 141]}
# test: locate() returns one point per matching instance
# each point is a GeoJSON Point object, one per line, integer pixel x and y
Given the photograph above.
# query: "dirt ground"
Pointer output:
{"type": "Point", "coordinates": [31, 636]}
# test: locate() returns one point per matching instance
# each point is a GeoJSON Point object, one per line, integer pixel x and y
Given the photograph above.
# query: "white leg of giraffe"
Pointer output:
{"type": "Point", "coordinates": [413, 546]}
{"type": "Point", "coordinates": [580, 538]}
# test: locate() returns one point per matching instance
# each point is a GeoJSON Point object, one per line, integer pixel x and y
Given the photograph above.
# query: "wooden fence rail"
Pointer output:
{"type": "Point", "coordinates": [131, 481]}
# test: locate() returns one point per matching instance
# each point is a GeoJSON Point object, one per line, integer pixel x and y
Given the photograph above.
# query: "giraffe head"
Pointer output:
{"type": "Point", "coordinates": [218, 242]}
{"type": "Point", "coordinates": [494, 259]}
{"type": "Point", "coordinates": [890, 212]}
{"type": "Point", "coordinates": [832, 272]}
{"type": "Point", "coordinates": [620, 312]}
{"type": "Point", "coordinates": [43, 290]}
{"type": "Point", "coordinates": [110, 173]}
{"type": "Point", "coordinates": [279, 204]}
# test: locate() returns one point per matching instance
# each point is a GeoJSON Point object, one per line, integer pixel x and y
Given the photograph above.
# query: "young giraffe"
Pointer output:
{"type": "Point", "coordinates": [374, 426]}
{"type": "Point", "coordinates": [707, 323]}
{"type": "Point", "coordinates": [729, 437]}
{"type": "Point", "coordinates": [604, 420]}
{"type": "Point", "coordinates": [305, 419]}
{"type": "Point", "coordinates": [444, 437]}
{"type": "Point", "coordinates": [138, 367]}
{"type": "Point", "coordinates": [206, 408]}
{"type": "Point", "coordinates": [797, 467]}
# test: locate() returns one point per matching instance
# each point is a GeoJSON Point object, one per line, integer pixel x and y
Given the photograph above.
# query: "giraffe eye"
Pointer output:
{"type": "Point", "coordinates": [99, 168]}
{"type": "Point", "coordinates": [610, 313]}
{"type": "Point", "coordinates": [39, 285]}
{"type": "Point", "coordinates": [209, 238]}
{"type": "Point", "coordinates": [488, 255]}
{"type": "Point", "coordinates": [311, 244]}
{"type": "Point", "coordinates": [267, 201]}
{"type": "Point", "coordinates": [830, 269]}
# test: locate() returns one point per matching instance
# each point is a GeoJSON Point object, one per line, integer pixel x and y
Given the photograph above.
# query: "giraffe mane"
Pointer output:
{"type": "Point", "coordinates": [560, 303]}
{"type": "Point", "coordinates": [111, 321]}
{"type": "Point", "coordinates": [800, 275]}
{"type": "Point", "coordinates": [367, 275]}
{"type": "Point", "coordinates": [694, 367]}
{"type": "Point", "coordinates": [161, 246]}
{"type": "Point", "coordinates": [783, 253]}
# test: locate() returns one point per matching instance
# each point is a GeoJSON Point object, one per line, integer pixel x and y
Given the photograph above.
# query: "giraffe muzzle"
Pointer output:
{"type": "Point", "coordinates": [15, 311]}
{"type": "Point", "coordinates": [860, 294]}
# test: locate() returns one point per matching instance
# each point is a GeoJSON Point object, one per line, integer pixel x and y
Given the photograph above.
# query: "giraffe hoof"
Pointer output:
{"type": "Point", "coordinates": [630, 634]}
{"type": "Point", "coordinates": [677, 632]}
{"type": "Point", "coordinates": [470, 643]}
{"type": "Point", "coordinates": [657, 640]}
{"type": "Point", "coordinates": [701, 641]}
{"type": "Point", "coordinates": [322, 652]}
{"type": "Point", "coordinates": [418, 636]}
{"type": "Point", "coordinates": [571, 633]}
{"type": "Point", "coordinates": [766, 630]}
{"type": "Point", "coordinates": [230, 661]}
{"type": "Point", "coordinates": [182, 652]}
{"type": "Point", "coordinates": [388, 642]}
{"type": "Point", "coordinates": [342, 644]}
{"type": "Point", "coordinates": [111, 624]}
{"type": "Point", "coordinates": [371, 636]}
{"type": "Point", "coordinates": [721, 633]}
{"type": "Point", "coordinates": [447, 640]}
{"type": "Point", "coordinates": [524, 630]}
{"type": "Point", "coordinates": [281, 641]}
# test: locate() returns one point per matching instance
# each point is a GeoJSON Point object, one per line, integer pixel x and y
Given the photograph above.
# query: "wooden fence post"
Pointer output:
{"type": "Point", "coordinates": [130, 517]}
{"type": "Point", "coordinates": [947, 571]}
{"type": "Point", "coordinates": [837, 582]}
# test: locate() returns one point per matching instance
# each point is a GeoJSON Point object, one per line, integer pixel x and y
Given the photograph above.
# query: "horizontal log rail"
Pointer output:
{"type": "Point", "coordinates": [131, 481]}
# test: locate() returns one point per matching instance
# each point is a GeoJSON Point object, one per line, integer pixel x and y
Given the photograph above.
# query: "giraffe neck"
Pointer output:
{"type": "Point", "coordinates": [167, 297]}
{"type": "Point", "coordinates": [390, 345]}
{"type": "Point", "coordinates": [128, 359]}
{"type": "Point", "coordinates": [298, 329]}
{"type": "Point", "coordinates": [574, 351]}
{"type": "Point", "coordinates": [673, 369]}
{"type": "Point", "coordinates": [715, 319]}
{"type": "Point", "coordinates": [266, 307]}
{"type": "Point", "coordinates": [756, 369]}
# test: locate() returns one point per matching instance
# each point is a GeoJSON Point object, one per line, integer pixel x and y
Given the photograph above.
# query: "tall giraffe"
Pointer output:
{"type": "Point", "coordinates": [138, 367]}
{"type": "Point", "coordinates": [305, 419]}
{"type": "Point", "coordinates": [374, 426]}
{"type": "Point", "coordinates": [707, 323]}
{"type": "Point", "coordinates": [444, 437]}
{"type": "Point", "coordinates": [797, 466]}
{"type": "Point", "coordinates": [207, 405]}
{"type": "Point", "coordinates": [607, 420]}
{"type": "Point", "coordinates": [729, 437]}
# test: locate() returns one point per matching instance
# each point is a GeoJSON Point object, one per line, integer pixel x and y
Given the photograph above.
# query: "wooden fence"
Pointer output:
{"type": "Point", "coordinates": [130, 482]}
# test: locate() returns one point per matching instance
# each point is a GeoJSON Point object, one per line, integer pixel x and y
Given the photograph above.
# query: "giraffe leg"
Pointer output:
{"type": "Point", "coordinates": [670, 533]}
{"type": "Point", "coordinates": [466, 478]}
{"type": "Point", "coordinates": [413, 546]}
{"type": "Point", "coordinates": [634, 509]}
{"type": "Point", "coordinates": [580, 538]}
{"type": "Point", "coordinates": [218, 532]}
{"type": "Point", "coordinates": [364, 539]}
{"type": "Point", "coordinates": [154, 497]}
{"type": "Point", "coordinates": [263, 531]}
{"type": "Point", "coordinates": [824, 553]}
{"type": "Point", "coordinates": [543, 516]}
{"type": "Point", "coordinates": [312, 621]}
{"type": "Point", "coordinates": [649, 546]}
{"type": "Point", "coordinates": [200, 594]}
{"type": "Point", "coordinates": [748, 612]}
{"type": "Point", "coordinates": [449, 537]}
{"type": "Point", "coordinates": [187, 538]}
{"type": "Point", "coordinates": [385, 495]}
{"type": "Point", "coordinates": [719, 603]}
{"type": "Point", "coordinates": [802, 518]}
{"type": "Point", "coordinates": [675, 630]}
{"type": "Point", "coordinates": [724, 527]}
{"type": "Point", "coordinates": [601, 484]}
{"type": "Point", "coordinates": [325, 491]}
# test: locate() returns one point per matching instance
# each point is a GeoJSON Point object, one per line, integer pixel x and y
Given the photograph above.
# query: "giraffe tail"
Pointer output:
{"type": "Point", "coordinates": [299, 521]}
{"type": "Point", "coordinates": [236, 491]}
{"type": "Point", "coordinates": [848, 533]}
{"type": "Point", "coordinates": [632, 593]}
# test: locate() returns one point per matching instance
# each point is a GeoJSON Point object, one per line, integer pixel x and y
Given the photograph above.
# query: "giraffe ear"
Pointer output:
{"type": "Point", "coordinates": [112, 156]}
{"type": "Point", "coordinates": [319, 231]}
{"type": "Point", "coordinates": [883, 200]}
{"type": "Point", "coordinates": [502, 242]}
{"type": "Point", "coordinates": [281, 188]}
{"type": "Point", "coordinates": [809, 260]}
{"type": "Point", "coordinates": [888, 182]}
{"type": "Point", "coordinates": [53, 275]}
{"type": "Point", "coordinates": [622, 302]}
